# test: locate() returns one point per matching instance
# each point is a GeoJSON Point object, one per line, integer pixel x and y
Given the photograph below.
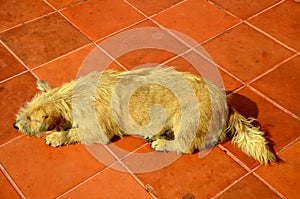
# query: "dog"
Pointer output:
{"type": "Point", "coordinates": [173, 111]}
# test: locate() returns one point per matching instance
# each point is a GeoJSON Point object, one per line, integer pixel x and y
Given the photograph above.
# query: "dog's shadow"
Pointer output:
{"type": "Point", "coordinates": [249, 109]}
{"type": "Point", "coordinates": [243, 105]}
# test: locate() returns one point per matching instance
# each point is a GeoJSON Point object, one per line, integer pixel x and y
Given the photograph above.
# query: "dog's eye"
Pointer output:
{"type": "Point", "coordinates": [46, 116]}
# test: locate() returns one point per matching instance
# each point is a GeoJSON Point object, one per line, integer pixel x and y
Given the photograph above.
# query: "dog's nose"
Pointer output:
{"type": "Point", "coordinates": [15, 126]}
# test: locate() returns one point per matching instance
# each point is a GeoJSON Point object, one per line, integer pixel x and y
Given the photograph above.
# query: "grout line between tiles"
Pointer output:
{"type": "Point", "coordinates": [235, 158]}
{"type": "Point", "coordinates": [62, 56]}
{"type": "Point", "coordinates": [69, 21]}
{"type": "Point", "coordinates": [274, 103]}
{"type": "Point", "coordinates": [128, 170]}
{"type": "Point", "coordinates": [87, 180]}
{"type": "Point", "coordinates": [19, 59]}
{"type": "Point", "coordinates": [117, 161]}
{"type": "Point", "coordinates": [110, 56]}
{"type": "Point", "coordinates": [231, 185]}
{"type": "Point", "coordinates": [269, 186]}
{"type": "Point", "coordinates": [266, 9]}
{"type": "Point", "coordinates": [246, 21]}
{"type": "Point", "coordinates": [132, 152]}
{"type": "Point", "coordinates": [14, 76]}
{"type": "Point", "coordinates": [288, 145]}
{"type": "Point", "coordinates": [272, 69]}
{"type": "Point", "coordinates": [29, 21]}
{"type": "Point", "coordinates": [90, 39]}
{"type": "Point", "coordinates": [120, 30]}
{"type": "Point", "coordinates": [265, 182]}
{"type": "Point", "coordinates": [218, 34]}
{"type": "Point", "coordinates": [67, 6]}
{"type": "Point", "coordinates": [11, 140]}
{"type": "Point", "coordinates": [270, 36]}
{"type": "Point", "coordinates": [155, 14]}
{"type": "Point", "coordinates": [224, 10]}
{"type": "Point", "coordinates": [11, 181]}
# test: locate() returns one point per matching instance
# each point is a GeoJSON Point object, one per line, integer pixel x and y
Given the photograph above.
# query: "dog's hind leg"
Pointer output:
{"type": "Point", "coordinates": [60, 138]}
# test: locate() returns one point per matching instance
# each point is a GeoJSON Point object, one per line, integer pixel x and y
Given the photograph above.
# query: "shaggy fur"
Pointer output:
{"type": "Point", "coordinates": [94, 108]}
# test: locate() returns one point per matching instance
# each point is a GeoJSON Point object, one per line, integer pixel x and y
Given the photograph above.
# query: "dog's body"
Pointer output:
{"type": "Point", "coordinates": [91, 110]}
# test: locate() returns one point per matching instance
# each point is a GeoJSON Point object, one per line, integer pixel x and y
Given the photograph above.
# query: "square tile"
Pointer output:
{"type": "Point", "coordinates": [43, 40]}
{"type": "Point", "coordinates": [246, 53]}
{"type": "Point", "coordinates": [249, 187]}
{"type": "Point", "coordinates": [13, 94]}
{"type": "Point", "coordinates": [13, 13]}
{"type": "Point", "coordinates": [282, 85]}
{"type": "Point", "coordinates": [285, 176]}
{"type": "Point", "coordinates": [9, 65]}
{"type": "Point", "coordinates": [7, 190]}
{"type": "Point", "coordinates": [277, 19]}
{"type": "Point", "coordinates": [99, 18]}
{"type": "Point", "coordinates": [191, 175]}
{"type": "Point", "coordinates": [79, 63]}
{"type": "Point", "coordinates": [110, 184]}
{"type": "Point", "coordinates": [281, 128]}
{"type": "Point", "coordinates": [197, 19]}
{"type": "Point", "coordinates": [245, 9]}
{"type": "Point", "coordinates": [46, 172]}
{"type": "Point", "coordinates": [154, 7]}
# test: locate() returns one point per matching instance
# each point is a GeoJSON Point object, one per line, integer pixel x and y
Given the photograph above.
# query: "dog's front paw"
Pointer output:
{"type": "Point", "coordinates": [160, 144]}
{"type": "Point", "coordinates": [55, 139]}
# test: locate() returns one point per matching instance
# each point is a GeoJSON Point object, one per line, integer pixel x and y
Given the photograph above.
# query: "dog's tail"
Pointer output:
{"type": "Point", "coordinates": [248, 138]}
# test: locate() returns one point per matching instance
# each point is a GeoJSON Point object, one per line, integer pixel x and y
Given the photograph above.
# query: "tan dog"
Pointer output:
{"type": "Point", "coordinates": [174, 111]}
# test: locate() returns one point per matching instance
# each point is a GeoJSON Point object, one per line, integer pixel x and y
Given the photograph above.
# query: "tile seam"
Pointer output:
{"type": "Point", "coordinates": [272, 69]}
{"type": "Point", "coordinates": [235, 158]}
{"type": "Point", "coordinates": [224, 10]}
{"type": "Point", "coordinates": [17, 57]}
{"type": "Point", "coordinates": [221, 33]}
{"type": "Point", "coordinates": [266, 9]}
{"type": "Point", "coordinates": [287, 146]}
{"type": "Point", "coordinates": [13, 76]}
{"type": "Point", "coordinates": [253, 171]}
{"type": "Point", "coordinates": [271, 37]}
{"type": "Point", "coordinates": [282, 108]}
{"type": "Point", "coordinates": [88, 179]}
{"type": "Point", "coordinates": [11, 181]}
{"type": "Point", "coordinates": [61, 56]}
{"type": "Point", "coordinates": [269, 186]}
{"type": "Point", "coordinates": [11, 140]}
{"type": "Point", "coordinates": [120, 30]}
{"type": "Point", "coordinates": [29, 21]}
{"type": "Point", "coordinates": [246, 21]}
{"type": "Point", "coordinates": [232, 184]}
{"type": "Point", "coordinates": [155, 14]}
{"type": "Point", "coordinates": [129, 171]}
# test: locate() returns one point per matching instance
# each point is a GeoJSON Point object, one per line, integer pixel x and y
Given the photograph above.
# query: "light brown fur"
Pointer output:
{"type": "Point", "coordinates": [62, 113]}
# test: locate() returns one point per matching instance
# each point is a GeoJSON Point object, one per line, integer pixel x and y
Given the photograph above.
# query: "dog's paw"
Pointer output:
{"type": "Point", "coordinates": [54, 139]}
{"type": "Point", "coordinates": [159, 144]}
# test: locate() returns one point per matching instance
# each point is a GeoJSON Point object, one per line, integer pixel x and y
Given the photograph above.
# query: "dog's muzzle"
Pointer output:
{"type": "Point", "coordinates": [15, 126]}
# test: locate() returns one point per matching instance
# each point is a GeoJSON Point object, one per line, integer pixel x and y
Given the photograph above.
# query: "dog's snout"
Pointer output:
{"type": "Point", "coordinates": [15, 126]}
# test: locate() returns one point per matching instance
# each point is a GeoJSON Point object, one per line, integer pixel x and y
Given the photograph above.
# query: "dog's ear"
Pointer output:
{"type": "Point", "coordinates": [43, 86]}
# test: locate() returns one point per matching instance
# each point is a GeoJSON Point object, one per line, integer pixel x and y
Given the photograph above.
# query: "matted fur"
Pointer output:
{"type": "Point", "coordinates": [62, 113]}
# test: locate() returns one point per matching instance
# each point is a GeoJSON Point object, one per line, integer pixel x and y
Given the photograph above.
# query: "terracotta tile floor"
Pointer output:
{"type": "Point", "coordinates": [255, 45]}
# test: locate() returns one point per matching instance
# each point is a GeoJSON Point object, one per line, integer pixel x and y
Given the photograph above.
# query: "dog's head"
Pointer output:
{"type": "Point", "coordinates": [40, 114]}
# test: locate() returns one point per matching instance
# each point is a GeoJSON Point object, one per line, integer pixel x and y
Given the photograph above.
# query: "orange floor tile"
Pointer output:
{"type": "Point", "coordinates": [255, 46]}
